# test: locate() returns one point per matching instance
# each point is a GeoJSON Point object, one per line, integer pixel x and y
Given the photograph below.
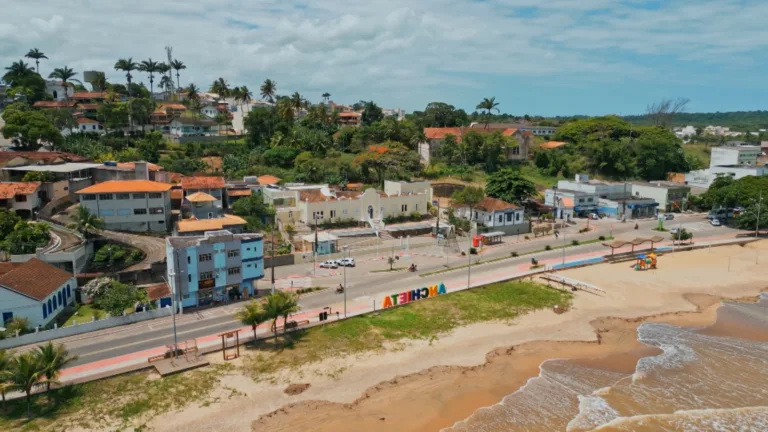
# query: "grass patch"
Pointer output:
{"type": "Point", "coordinates": [698, 151]}
{"type": "Point", "coordinates": [541, 180]}
{"type": "Point", "coordinates": [547, 248]}
{"type": "Point", "coordinates": [394, 269]}
{"type": "Point", "coordinates": [424, 320]}
{"type": "Point", "coordinates": [301, 291]}
{"type": "Point", "coordinates": [85, 314]}
{"type": "Point", "coordinates": [117, 403]}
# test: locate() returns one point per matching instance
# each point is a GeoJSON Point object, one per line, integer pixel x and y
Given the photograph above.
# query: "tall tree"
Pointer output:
{"type": "Point", "coordinates": [252, 314]}
{"type": "Point", "coordinates": [5, 370]}
{"type": "Point", "coordinates": [36, 54]}
{"type": "Point", "coordinates": [25, 373]}
{"type": "Point", "coordinates": [488, 104]}
{"type": "Point", "coordinates": [470, 197]}
{"type": "Point", "coordinates": [178, 65]}
{"type": "Point", "coordinates": [508, 185]}
{"type": "Point", "coordinates": [297, 102]}
{"type": "Point", "coordinates": [29, 128]}
{"type": "Point", "coordinates": [220, 87]}
{"type": "Point", "coordinates": [193, 93]}
{"type": "Point", "coordinates": [164, 70]}
{"type": "Point", "coordinates": [371, 113]}
{"type": "Point", "coordinates": [326, 97]}
{"type": "Point", "coordinates": [281, 304]}
{"type": "Point", "coordinates": [64, 74]}
{"type": "Point", "coordinates": [166, 83]}
{"type": "Point", "coordinates": [53, 359]}
{"type": "Point", "coordinates": [127, 66]}
{"type": "Point", "coordinates": [150, 67]}
{"type": "Point", "coordinates": [17, 71]}
{"type": "Point", "coordinates": [269, 90]}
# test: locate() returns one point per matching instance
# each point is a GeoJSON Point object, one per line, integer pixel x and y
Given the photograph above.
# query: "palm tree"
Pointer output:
{"type": "Point", "coordinates": [285, 109]}
{"type": "Point", "coordinates": [5, 368]}
{"type": "Point", "coordinates": [64, 74]}
{"type": "Point", "coordinates": [163, 69]}
{"type": "Point", "coordinates": [268, 90]}
{"type": "Point", "coordinates": [391, 262]}
{"type": "Point", "coordinates": [178, 65]}
{"type": "Point", "coordinates": [489, 105]}
{"type": "Point", "coordinates": [252, 314]}
{"type": "Point", "coordinates": [17, 71]}
{"type": "Point", "coordinates": [298, 102]}
{"type": "Point", "coordinates": [85, 221]}
{"type": "Point", "coordinates": [166, 83]}
{"type": "Point", "coordinates": [53, 358]}
{"type": "Point", "coordinates": [36, 54]}
{"type": "Point", "coordinates": [150, 67]}
{"type": "Point", "coordinates": [220, 87]}
{"type": "Point", "coordinates": [24, 373]}
{"type": "Point", "coordinates": [326, 97]}
{"type": "Point", "coordinates": [127, 66]}
{"type": "Point", "coordinates": [193, 93]}
{"type": "Point", "coordinates": [280, 304]}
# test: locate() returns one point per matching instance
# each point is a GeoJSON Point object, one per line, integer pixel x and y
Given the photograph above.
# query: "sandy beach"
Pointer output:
{"type": "Point", "coordinates": [421, 385]}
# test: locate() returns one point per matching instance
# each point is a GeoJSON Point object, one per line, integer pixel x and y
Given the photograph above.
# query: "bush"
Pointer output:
{"type": "Point", "coordinates": [583, 230]}
{"type": "Point", "coordinates": [463, 253]}
{"type": "Point", "coordinates": [601, 238]}
{"type": "Point", "coordinates": [548, 247]}
{"type": "Point", "coordinates": [109, 255]}
{"type": "Point", "coordinates": [415, 216]}
{"type": "Point", "coordinates": [472, 251]}
{"type": "Point", "coordinates": [575, 242]}
{"type": "Point", "coordinates": [514, 254]}
{"type": "Point", "coordinates": [534, 261]}
{"type": "Point", "coordinates": [527, 238]}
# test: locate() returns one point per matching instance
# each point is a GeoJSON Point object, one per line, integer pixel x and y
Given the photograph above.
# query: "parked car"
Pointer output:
{"type": "Point", "coordinates": [674, 230]}
{"type": "Point", "coordinates": [594, 216]}
{"type": "Point", "coordinates": [715, 222]}
{"type": "Point", "coordinates": [346, 262]}
{"type": "Point", "coordinates": [669, 216]}
{"type": "Point", "coordinates": [329, 264]}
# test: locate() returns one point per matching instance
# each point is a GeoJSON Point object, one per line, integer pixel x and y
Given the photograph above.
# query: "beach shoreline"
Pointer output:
{"type": "Point", "coordinates": [430, 385]}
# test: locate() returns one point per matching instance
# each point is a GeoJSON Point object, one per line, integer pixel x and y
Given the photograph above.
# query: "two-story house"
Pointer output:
{"type": "Point", "coordinates": [214, 186]}
{"type": "Point", "coordinates": [517, 149]}
{"type": "Point", "coordinates": [130, 205]}
{"type": "Point", "coordinates": [22, 197]}
{"type": "Point", "coordinates": [218, 266]}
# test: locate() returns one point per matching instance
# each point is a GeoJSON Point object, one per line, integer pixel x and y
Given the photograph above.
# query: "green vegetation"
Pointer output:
{"type": "Point", "coordinates": [509, 185]}
{"type": "Point", "coordinates": [86, 222]}
{"type": "Point", "coordinates": [423, 320]}
{"type": "Point", "coordinates": [18, 236]}
{"type": "Point", "coordinates": [113, 256]}
{"type": "Point", "coordinates": [114, 297]}
{"type": "Point", "coordinates": [748, 192]}
{"type": "Point", "coordinates": [118, 403]}
{"type": "Point", "coordinates": [737, 120]}
{"type": "Point", "coordinates": [27, 128]}
{"type": "Point", "coordinates": [85, 314]}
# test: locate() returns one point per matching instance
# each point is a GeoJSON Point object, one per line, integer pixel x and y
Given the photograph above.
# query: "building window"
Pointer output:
{"type": "Point", "coordinates": [189, 276]}
{"type": "Point", "coordinates": [55, 305]}
{"type": "Point", "coordinates": [21, 198]}
{"type": "Point", "coordinates": [290, 214]}
{"type": "Point", "coordinates": [189, 259]}
{"type": "Point", "coordinates": [155, 195]}
{"type": "Point", "coordinates": [69, 291]}
{"type": "Point", "coordinates": [105, 197]}
{"type": "Point", "coordinates": [106, 212]}
{"type": "Point", "coordinates": [509, 217]}
{"type": "Point", "coordinates": [333, 213]}
{"type": "Point", "coordinates": [205, 257]}
{"type": "Point", "coordinates": [501, 218]}
{"type": "Point", "coordinates": [50, 306]}
{"type": "Point", "coordinates": [589, 199]}
{"type": "Point", "coordinates": [344, 212]}
{"type": "Point", "coordinates": [140, 211]}
{"type": "Point", "coordinates": [45, 312]}
{"type": "Point", "coordinates": [123, 212]}
{"type": "Point", "coordinates": [517, 217]}
{"type": "Point", "coordinates": [123, 196]}
{"type": "Point", "coordinates": [89, 197]}
{"type": "Point", "coordinates": [206, 275]}
{"type": "Point", "coordinates": [156, 210]}
{"type": "Point", "coordinates": [233, 253]}
{"type": "Point", "coordinates": [417, 207]}
{"type": "Point", "coordinates": [139, 196]}
{"type": "Point", "coordinates": [233, 271]}
{"type": "Point", "coordinates": [404, 208]}
{"type": "Point", "coordinates": [516, 150]}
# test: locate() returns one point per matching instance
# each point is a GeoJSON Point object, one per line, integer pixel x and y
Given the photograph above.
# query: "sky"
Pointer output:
{"type": "Point", "coordinates": [556, 57]}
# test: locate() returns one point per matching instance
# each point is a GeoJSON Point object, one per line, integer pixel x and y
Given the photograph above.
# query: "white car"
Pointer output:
{"type": "Point", "coordinates": [674, 230]}
{"type": "Point", "coordinates": [715, 222]}
{"type": "Point", "coordinates": [329, 264]}
{"type": "Point", "coordinates": [346, 262]}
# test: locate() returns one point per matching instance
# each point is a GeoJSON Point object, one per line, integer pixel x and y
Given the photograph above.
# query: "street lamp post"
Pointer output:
{"type": "Point", "coordinates": [564, 246]}
{"type": "Point", "coordinates": [173, 314]}
{"type": "Point", "coordinates": [346, 248]}
{"type": "Point", "coordinates": [757, 222]}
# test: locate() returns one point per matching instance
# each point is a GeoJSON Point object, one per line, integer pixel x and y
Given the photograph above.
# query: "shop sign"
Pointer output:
{"type": "Point", "coordinates": [413, 295]}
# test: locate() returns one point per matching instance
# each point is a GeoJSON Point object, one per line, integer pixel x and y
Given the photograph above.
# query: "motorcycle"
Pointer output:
{"type": "Point", "coordinates": [412, 268]}
{"type": "Point", "coordinates": [339, 289]}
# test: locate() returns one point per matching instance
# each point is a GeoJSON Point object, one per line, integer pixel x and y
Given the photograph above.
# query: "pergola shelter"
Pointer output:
{"type": "Point", "coordinates": [617, 244]}
{"type": "Point", "coordinates": [493, 237]}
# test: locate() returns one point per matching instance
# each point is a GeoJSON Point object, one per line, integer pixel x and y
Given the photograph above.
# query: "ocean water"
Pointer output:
{"type": "Point", "coordinates": [713, 379]}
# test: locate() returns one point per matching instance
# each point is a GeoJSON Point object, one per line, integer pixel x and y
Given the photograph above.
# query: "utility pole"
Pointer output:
{"type": "Point", "coordinates": [564, 246]}
{"type": "Point", "coordinates": [757, 222]}
{"type": "Point", "coordinates": [346, 248]}
{"type": "Point", "coordinates": [173, 314]}
{"type": "Point", "coordinates": [437, 233]}
{"type": "Point", "coordinates": [314, 267]}
{"type": "Point", "coordinates": [273, 254]}
{"type": "Point", "coordinates": [469, 255]}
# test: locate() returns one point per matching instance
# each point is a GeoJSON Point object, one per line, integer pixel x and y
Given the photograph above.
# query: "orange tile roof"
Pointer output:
{"type": "Point", "coordinates": [46, 157]}
{"type": "Point", "coordinates": [492, 204]}
{"type": "Point", "coordinates": [441, 133]}
{"type": "Point", "coordinates": [566, 202]}
{"type": "Point", "coordinates": [9, 190]}
{"type": "Point", "coordinates": [85, 120]}
{"type": "Point", "coordinates": [174, 107]}
{"type": "Point", "coordinates": [177, 194]}
{"type": "Point", "coordinates": [126, 186]}
{"type": "Point", "coordinates": [89, 95]}
{"type": "Point", "coordinates": [202, 182]}
{"type": "Point", "coordinates": [35, 279]}
{"type": "Point", "coordinates": [88, 106]}
{"type": "Point", "coordinates": [350, 114]}
{"type": "Point", "coordinates": [509, 131]}
{"type": "Point", "coordinates": [157, 291]}
{"type": "Point", "coordinates": [553, 145]}
{"type": "Point", "coordinates": [54, 104]}
{"type": "Point", "coordinates": [200, 197]}
{"type": "Point", "coordinates": [132, 165]}
{"type": "Point", "coordinates": [268, 180]}
{"type": "Point", "coordinates": [192, 225]}
{"type": "Point", "coordinates": [239, 192]}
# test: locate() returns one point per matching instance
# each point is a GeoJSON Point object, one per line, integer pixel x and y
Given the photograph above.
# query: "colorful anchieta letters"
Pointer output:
{"type": "Point", "coordinates": [409, 296]}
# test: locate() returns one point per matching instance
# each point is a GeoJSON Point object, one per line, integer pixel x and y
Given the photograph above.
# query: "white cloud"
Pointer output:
{"type": "Point", "coordinates": [395, 51]}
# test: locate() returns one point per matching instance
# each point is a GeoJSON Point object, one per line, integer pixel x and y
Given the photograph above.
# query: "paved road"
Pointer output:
{"type": "Point", "coordinates": [362, 286]}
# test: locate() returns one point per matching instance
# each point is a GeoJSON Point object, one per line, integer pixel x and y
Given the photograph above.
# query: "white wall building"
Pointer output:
{"type": "Point", "coordinates": [55, 89]}
{"type": "Point", "coordinates": [603, 189]}
{"type": "Point", "coordinates": [130, 205]}
{"type": "Point", "coordinates": [22, 197]}
{"type": "Point", "coordinates": [704, 178]}
{"type": "Point", "coordinates": [734, 156]}
{"type": "Point", "coordinates": [34, 290]}
{"type": "Point", "coordinates": [497, 214]}
{"type": "Point", "coordinates": [670, 196]}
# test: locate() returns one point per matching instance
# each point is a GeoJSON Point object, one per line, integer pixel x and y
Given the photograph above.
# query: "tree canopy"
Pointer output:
{"type": "Point", "coordinates": [29, 129]}
{"type": "Point", "coordinates": [508, 185]}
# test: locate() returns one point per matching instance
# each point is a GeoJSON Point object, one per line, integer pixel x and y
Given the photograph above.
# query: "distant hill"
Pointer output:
{"type": "Point", "coordinates": [736, 120]}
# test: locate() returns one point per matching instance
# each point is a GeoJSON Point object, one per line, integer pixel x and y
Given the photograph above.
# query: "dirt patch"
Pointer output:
{"type": "Point", "coordinates": [295, 389]}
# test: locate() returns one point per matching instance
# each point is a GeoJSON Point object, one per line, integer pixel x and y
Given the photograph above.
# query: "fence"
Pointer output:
{"type": "Point", "coordinates": [72, 330]}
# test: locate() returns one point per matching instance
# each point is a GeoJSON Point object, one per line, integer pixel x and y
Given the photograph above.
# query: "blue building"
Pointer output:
{"type": "Point", "coordinates": [216, 267]}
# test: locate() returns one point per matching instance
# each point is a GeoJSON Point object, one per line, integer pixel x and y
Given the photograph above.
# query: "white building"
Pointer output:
{"type": "Point", "coordinates": [85, 124]}
{"type": "Point", "coordinates": [670, 196]}
{"type": "Point", "coordinates": [686, 132]}
{"type": "Point", "coordinates": [569, 203]}
{"type": "Point", "coordinates": [497, 214]}
{"type": "Point", "coordinates": [34, 290]}
{"type": "Point", "coordinates": [22, 197]}
{"type": "Point", "coordinates": [130, 205]}
{"type": "Point", "coordinates": [57, 91]}
{"type": "Point", "coordinates": [734, 156]}
{"type": "Point", "coordinates": [704, 178]}
{"type": "Point", "coordinates": [601, 188]}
